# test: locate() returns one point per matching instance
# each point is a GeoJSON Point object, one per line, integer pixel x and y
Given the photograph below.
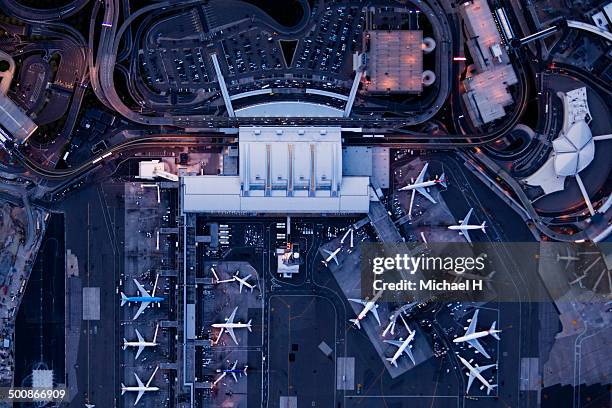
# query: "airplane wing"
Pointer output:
{"type": "Point", "coordinates": [141, 289]}
{"type": "Point", "coordinates": [425, 194]}
{"type": "Point", "coordinates": [333, 256]}
{"type": "Point", "coordinates": [375, 313]}
{"type": "Point", "coordinates": [139, 396]}
{"type": "Point", "coordinates": [335, 260]}
{"type": "Point", "coordinates": [234, 375]}
{"type": "Point", "coordinates": [143, 306]}
{"type": "Point", "coordinates": [231, 318]}
{"type": "Point", "coordinates": [476, 344]}
{"type": "Point", "coordinates": [140, 338]}
{"type": "Point", "coordinates": [140, 384]}
{"type": "Point", "coordinates": [483, 368]}
{"type": "Point", "coordinates": [140, 349]}
{"type": "Point", "coordinates": [408, 351]}
{"type": "Point", "coordinates": [472, 327]}
{"type": "Point", "coordinates": [421, 175]}
{"type": "Point", "coordinates": [466, 220]}
{"type": "Point", "coordinates": [241, 285]}
{"type": "Point", "coordinates": [396, 343]}
{"type": "Point", "coordinates": [231, 333]}
{"type": "Point", "coordinates": [470, 381]}
{"type": "Point", "coordinates": [466, 234]}
{"type": "Point", "coordinates": [360, 301]}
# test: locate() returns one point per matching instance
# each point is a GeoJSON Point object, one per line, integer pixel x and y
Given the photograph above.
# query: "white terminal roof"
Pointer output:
{"type": "Point", "coordinates": [14, 121]}
{"type": "Point", "coordinates": [288, 109]}
{"type": "Point", "coordinates": [574, 148]}
{"type": "Point", "coordinates": [282, 170]}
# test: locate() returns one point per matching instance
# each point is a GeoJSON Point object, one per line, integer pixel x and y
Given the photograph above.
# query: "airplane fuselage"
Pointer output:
{"type": "Point", "coordinates": [332, 255]}
{"type": "Point", "coordinates": [423, 184]}
{"type": "Point", "coordinates": [365, 310]}
{"type": "Point", "coordinates": [151, 299]}
{"type": "Point", "coordinates": [230, 325]}
{"type": "Point", "coordinates": [401, 348]}
{"type": "Point", "coordinates": [138, 389]}
{"type": "Point", "coordinates": [475, 372]}
{"type": "Point", "coordinates": [464, 227]}
{"type": "Point", "coordinates": [473, 336]}
{"type": "Point", "coordinates": [140, 344]}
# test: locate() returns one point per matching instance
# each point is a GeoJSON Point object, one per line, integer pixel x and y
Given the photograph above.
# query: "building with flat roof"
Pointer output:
{"type": "Point", "coordinates": [486, 88]}
{"type": "Point", "coordinates": [395, 61]}
{"type": "Point", "coordinates": [14, 122]}
{"type": "Point", "coordinates": [283, 170]}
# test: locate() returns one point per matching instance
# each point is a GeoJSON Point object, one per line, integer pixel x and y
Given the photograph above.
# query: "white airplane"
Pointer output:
{"type": "Point", "coordinates": [568, 258]}
{"type": "Point", "coordinates": [368, 306]}
{"type": "Point", "coordinates": [474, 372]}
{"type": "Point", "coordinates": [229, 326]}
{"type": "Point", "coordinates": [346, 234]}
{"type": "Point", "coordinates": [141, 388]}
{"type": "Point", "coordinates": [244, 281]}
{"type": "Point", "coordinates": [420, 185]}
{"type": "Point", "coordinates": [471, 336]}
{"type": "Point", "coordinates": [332, 255]}
{"type": "Point", "coordinates": [233, 371]}
{"type": "Point", "coordinates": [145, 299]}
{"type": "Point", "coordinates": [403, 346]}
{"type": "Point", "coordinates": [141, 343]}
{"type": "Point", "coordinates": [464, 227]}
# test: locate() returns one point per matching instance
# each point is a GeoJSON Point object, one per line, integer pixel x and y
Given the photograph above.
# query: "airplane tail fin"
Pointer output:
{"type": "Point", "coordinates": [123, 299]}
{"type": "Point", "coordinates": [483, 226]}
{"type": "Point", "coordinates": [494, 332]}
{"type": "Point", "coordinates": [249, 325]}
{"type": "Point", "coordinates": [124, 343]}
{"type": "Point", "coordinates": [443, 180]}
{"type": "Point", "coordinates": [490, 388]}
{"type": "Point", "coordinates": [122, 388]}
{"type": "Point", "coordinates": [356, 322]}
{"type": "Point", "coordinates": [391, 361]}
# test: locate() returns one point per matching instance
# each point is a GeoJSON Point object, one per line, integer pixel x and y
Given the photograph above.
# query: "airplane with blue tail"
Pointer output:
{"type": "Point", "coordinates": [144, 299]}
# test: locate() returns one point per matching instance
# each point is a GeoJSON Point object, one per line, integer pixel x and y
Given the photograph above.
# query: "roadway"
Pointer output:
{"type": "Point", "coordinates": [15, 9]}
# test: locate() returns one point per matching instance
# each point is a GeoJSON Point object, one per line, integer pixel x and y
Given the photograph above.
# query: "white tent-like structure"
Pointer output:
{"type": "Point", "coordinates": [573, 149]}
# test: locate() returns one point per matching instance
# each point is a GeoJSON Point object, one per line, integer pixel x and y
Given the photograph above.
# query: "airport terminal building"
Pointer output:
{"type": "Point", "coordinates": [282, 170]}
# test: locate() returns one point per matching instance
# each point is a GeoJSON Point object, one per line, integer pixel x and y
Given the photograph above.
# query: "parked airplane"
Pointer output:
{"type": "Point", "coordinates": [244, 281]}
{"type": "Point", "coordinates": [332, 255]}
{"type": "Point", "coordinates": [368, 306]}
{"type": "Point", "coordinates": [403, 346]}
{"type": "Point", "coordinates": [568, 258]}
{"type": "Point", "coordinates": [420, 185]}
{"type": "Point", "coordinates": [141, 388]}
{"type": "Point", "coordinates": [233, 371]}
{"type": "Point", "coordinates": [471, 336]}
{"type": "Point", "coordinates": [229, 326]}
{"type": "Point", "coordinates": [141, 343]}
{"type": "Point", "coordinates": [145, 299]}
{"type": "Point", "coordinates": [474, 372]}
{"type": "Point", "coordinates": [464, 226]}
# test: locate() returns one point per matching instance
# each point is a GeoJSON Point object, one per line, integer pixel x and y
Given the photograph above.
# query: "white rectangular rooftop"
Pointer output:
{"type": "Point", "coordinates": [283, 170]}
{"type": "Point", "coordinates": [15, 121]}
